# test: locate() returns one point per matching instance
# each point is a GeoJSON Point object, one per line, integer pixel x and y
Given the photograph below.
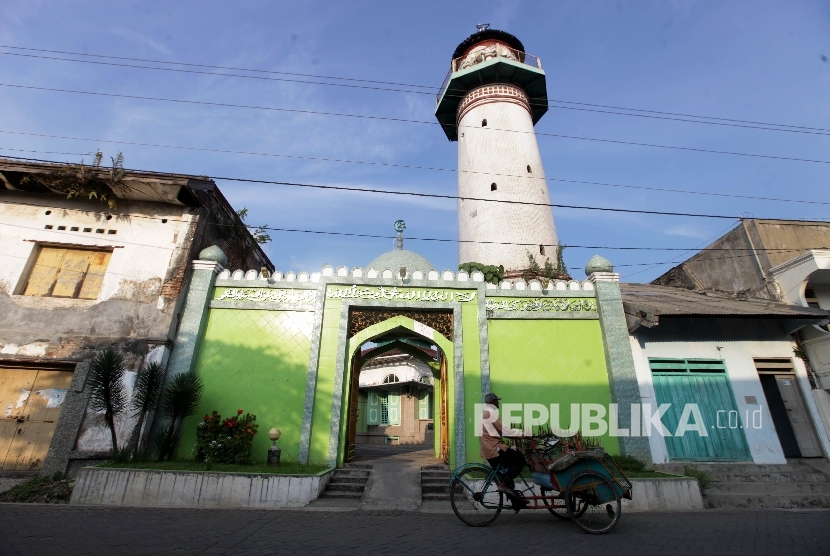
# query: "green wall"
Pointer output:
{"type": "Point", "coordinates": [549, 361]}
{"type": "Point", "coordinates": [257, 361]}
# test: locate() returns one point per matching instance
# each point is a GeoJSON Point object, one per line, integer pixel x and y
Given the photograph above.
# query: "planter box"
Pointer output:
{"type": "Point", "coordinates": [207, 489]}
{"type": "Point", "coordinates": [670, 494]}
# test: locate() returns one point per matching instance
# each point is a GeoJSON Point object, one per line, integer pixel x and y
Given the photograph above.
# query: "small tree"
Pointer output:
{"type": "Point", "coordinates": [80, 180]}
{"type": "Point", "coordinates": [107, 393]}
{"type": "Point", "coordinates": [532, 265]}
{"type": "Point", "coordinates": [560, 260]}
{"type": "Point", "coordinates": [181, 399]}
{"type": "Point", "coordinates": [258, 233]}
{"type": "Point", "coordinates": [148, 388]}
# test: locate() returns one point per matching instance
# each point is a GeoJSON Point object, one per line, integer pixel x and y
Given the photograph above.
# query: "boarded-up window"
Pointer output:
{"type": "Point", "coordinates": [61, 272]}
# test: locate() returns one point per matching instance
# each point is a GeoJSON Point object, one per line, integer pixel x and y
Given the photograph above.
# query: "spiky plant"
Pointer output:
{"type": "Point", "coordinates": [107, 393]}
{"type": "Point", "coordinates": [148, 388]}
{"type": "Point", "coordinates": [181, 399]}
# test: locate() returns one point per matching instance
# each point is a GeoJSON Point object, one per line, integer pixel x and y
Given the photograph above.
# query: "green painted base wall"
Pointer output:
{"type": "Point", "coordinates": [256, 361]}
{"type": "Point", "coordinates": [549, 361]}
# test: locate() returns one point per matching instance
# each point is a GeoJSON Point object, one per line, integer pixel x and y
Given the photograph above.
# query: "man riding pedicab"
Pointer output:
{"type": "Point", "coordinates": [499, 455]}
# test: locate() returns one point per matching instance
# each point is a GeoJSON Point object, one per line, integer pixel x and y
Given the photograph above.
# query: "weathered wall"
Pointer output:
{"type": "Point", "coordinates": [727, 265]}
{"type": "Point", "coordinates": [730, 264]}
{"type": "Point", "coordinates": [736, 342]}
{"type": "Point", "coordinates": [550, 361]}
{"type": "Point", "coordinates": [137, 308]}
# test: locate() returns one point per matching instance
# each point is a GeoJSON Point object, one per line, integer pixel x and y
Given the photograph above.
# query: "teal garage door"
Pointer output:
{"type": "Point", "coordinates": [703, 382]}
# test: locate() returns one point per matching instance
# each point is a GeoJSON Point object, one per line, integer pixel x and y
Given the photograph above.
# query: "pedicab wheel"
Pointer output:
{"type": "Point", "coordinates": [601, 502]}
{"type": "Point", "coordinates": [561, 511]}
{"type": "Point", "coordinates": [475, 503]}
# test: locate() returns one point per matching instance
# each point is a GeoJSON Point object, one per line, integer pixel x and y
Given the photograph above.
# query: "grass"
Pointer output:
{"type": "Point", "coordinates": [704, 479]}
{"type": "Point", "coordinates": [285, 468]}
{"type": "Point", "coordinates": [43, 489]}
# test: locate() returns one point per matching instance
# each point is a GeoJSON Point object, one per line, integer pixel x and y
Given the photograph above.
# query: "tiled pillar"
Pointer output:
{"type": "Point", "coordinates": [618, 359]}
{"type": "Point", "coordinates": [194, 317]}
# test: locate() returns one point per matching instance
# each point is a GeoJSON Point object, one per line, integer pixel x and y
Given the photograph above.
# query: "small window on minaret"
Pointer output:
{"type": "Point", "coordinates": [541, 249]}
{"type": "Point", "coordinates": [493, 186]}
{"type": "Point", "coordinates": [529, 171]}
{"type": "Point", "coordinates": [484, 122]}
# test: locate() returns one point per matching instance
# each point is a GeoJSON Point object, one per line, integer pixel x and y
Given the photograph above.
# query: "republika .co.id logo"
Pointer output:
{"type": "Point", "coordinates": [592, 419]}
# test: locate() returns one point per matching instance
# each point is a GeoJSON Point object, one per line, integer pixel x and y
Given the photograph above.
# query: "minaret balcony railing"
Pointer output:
{"type": "Point", "coordinates": [484, 53]}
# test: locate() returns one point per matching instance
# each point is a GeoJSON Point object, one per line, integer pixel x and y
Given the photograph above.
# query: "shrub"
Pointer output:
{"type": "Point", "coordinates": [44, 489]}
{"type": "Point", "coordinates": [629, 463]}
{"type": "Point", "coordinates": [227, 440]}
{"type": "Point", "coordinates": [179, 401]}
{"type": "Point", "coordinates": [704, 479]}
{"type": "Point", "coordinates": [492, 274]}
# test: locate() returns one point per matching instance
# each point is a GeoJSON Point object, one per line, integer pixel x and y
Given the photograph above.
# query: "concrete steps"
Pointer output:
{"type": "Point", "coordinates": [348, 482]}
{"type": "Point", "coordinates": [796, 484]}
{"type": "Point", "coordinates": [435, 482]}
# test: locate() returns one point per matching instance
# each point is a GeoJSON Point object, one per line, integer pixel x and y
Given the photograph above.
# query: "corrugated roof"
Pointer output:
{"type": "Point", "coordinates": [648, 299]}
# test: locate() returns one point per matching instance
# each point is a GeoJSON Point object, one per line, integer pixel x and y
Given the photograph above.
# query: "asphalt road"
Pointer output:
{"type": "Point", "coordinates": [30, 529]}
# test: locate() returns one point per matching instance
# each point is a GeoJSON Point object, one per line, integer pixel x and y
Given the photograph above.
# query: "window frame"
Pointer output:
{"type": "Point", "coordinates": [37, 252]}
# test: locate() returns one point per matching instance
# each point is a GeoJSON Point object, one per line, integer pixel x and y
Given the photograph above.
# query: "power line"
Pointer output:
{"type": "Point", "coordinates": [406, 166]}
{"type": "Point", "coordinates": [42, 152]}
{"type": "Point", "coordinates": [404, 120]}
{"type": "Point", "coordinates": [552, 103]}
{"type": "Point", "coordinates": [189, 64]}
{"type": "Point", "coordinates": [455, 197]}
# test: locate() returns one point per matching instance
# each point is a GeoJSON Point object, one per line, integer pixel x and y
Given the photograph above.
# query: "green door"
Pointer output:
{"type": "Point", "coordinates": [703, 382]}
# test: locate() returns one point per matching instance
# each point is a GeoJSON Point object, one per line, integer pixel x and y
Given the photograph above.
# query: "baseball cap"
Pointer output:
{"type": "Point", "coordinates": [490, 398]}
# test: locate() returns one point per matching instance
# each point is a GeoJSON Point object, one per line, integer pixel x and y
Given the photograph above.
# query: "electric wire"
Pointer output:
{"type": "Point", "coordinates": [552, 103]}
{"type": "Point", "coordinates": [317, 232]}
{"type": "Point", "coordinates": [404, 120]}
{"type": "Point", "coordinates": [406, 166]}
{"type": "Point", "coordinates": [456, 197]}
{"type": "Point", "coordinates": [112, 241]}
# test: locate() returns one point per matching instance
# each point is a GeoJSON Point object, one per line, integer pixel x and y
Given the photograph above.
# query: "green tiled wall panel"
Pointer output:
{"type": "Point", "coordinates": [472, 376]}
{"type": "Point", "coordinates": [256, 361]}
{"type": "Point", "coordinates": [549, 361]}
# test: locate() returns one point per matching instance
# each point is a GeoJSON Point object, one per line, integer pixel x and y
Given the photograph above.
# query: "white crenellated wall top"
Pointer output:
{"type": "Point", "coordinates": [416, 277]}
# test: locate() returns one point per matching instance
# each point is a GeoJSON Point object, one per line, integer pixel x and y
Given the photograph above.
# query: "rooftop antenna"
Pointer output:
{"type": "Point", "coordinates": [400, 226]}
{"type": "Point", "coordinates": [482, 27]}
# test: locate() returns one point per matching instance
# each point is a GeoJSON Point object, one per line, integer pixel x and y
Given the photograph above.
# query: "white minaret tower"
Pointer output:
{"type": "Point", "coordinates": [492, 96]}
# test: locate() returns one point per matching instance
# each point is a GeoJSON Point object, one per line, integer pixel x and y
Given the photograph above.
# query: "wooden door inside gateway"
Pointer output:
{"type": "Point", "coordinates": [30, 402]}
{"type": "Point", "coordinates": [354, 387]}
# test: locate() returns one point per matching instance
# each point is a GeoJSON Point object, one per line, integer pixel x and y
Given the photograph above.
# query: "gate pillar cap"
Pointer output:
{"type": "Point", "coordinates": [214, 253]}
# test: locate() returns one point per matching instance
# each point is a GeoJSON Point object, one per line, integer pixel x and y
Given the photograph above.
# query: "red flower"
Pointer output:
{"type": "Point", "coordinates": [239, 411]}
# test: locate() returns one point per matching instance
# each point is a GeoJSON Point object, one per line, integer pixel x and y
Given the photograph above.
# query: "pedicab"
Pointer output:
{"type": "Point", "coordinates": [573, 478]}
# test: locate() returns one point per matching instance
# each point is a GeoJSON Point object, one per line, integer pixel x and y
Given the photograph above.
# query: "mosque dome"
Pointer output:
{"type": "Point", "coordinates": [396, 258]}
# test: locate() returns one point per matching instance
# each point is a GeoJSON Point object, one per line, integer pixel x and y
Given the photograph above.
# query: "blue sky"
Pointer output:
{"type": "Point", "coordinates": [754, 60]}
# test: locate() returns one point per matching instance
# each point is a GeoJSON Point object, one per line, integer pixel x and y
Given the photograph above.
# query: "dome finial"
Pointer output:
{"type": "Point", "coordinates": [400, 226]}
